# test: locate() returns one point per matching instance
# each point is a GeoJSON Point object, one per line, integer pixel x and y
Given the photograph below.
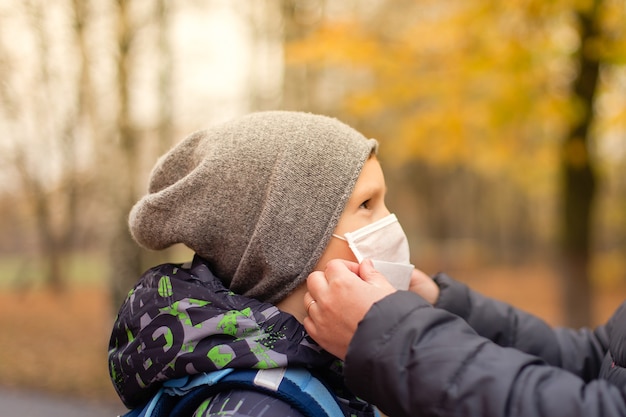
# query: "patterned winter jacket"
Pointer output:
{"type": "Point", "coordinates": [475, 356]}
{"type": "Point", "coordinates": [180, 321]}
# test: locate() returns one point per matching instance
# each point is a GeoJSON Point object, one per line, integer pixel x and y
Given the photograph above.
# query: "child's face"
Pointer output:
{"type": "Point", "coordinates": [365, 206]}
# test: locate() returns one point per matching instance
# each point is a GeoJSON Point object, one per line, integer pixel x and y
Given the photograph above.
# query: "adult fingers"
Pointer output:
{"type": "Point", "coordinates": [307, 298]}
{"type": "Point", "coordinates": [310, 325]}
{"type": "Point", "coordinates": [308, 302]}
{"type": "Point", "coordinates": [340, 264]}
{"type": "Point", "coordinates": [424, 285]}
{"type": "Point", "coordinates": [369, 274]}
{"type": "Point", "coordinates": [316, 284]}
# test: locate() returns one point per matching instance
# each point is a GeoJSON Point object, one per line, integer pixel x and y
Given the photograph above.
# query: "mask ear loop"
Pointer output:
{"type": "Point", "coordinates": [352, 247]}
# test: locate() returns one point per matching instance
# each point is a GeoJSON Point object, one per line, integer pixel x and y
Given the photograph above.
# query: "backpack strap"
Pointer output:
{"type": "Point", "coordinates": [297, 387]}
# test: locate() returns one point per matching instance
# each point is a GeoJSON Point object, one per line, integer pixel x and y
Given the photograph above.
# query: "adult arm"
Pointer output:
{"type": "Point", "coordinates": [411, 359]}
{"type": "Point", "coordinates": [579, 351]}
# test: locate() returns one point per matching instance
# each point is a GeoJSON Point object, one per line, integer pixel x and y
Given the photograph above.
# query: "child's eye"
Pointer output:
{"type": "Point", "coordinates": [365, 204]}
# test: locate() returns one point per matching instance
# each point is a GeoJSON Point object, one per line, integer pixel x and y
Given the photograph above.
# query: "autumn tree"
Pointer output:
{"type": "Point", "coordinates": [578, 174]}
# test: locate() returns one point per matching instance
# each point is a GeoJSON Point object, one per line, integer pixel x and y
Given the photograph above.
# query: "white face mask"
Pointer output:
{"type": "Point", "coordinates": [385, 243]}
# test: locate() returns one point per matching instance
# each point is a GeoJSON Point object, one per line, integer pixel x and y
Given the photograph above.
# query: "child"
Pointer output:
{"type": "Point", "coordinates": [258, 200]}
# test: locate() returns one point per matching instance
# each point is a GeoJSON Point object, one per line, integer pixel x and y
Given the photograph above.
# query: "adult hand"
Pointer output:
{"type": "Point", "coordinates": [424, 286]}
{"type": "Point", "coordinates": [343, 293]}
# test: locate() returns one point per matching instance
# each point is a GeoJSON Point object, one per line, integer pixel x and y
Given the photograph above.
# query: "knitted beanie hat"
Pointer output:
{"type": "Point", "coordinates": [257, 197]}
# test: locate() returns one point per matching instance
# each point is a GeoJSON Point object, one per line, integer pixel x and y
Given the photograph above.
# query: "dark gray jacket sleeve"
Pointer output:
{"type": "Point", "coordinates": [411, 359]}
{"type": "Point", "coordinates": [578, 351]}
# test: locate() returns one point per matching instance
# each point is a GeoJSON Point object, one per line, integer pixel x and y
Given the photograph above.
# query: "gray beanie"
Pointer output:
{"type": "Point", "coordinates": [257, 197]}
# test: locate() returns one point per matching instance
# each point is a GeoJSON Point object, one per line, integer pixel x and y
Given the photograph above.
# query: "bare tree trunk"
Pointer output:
{"type": "Point", "coordinates": [125, 263]}
{"type": "Point", "coordinates": [80, 126]}
{"type": "Point", "coordinates": [579, 182]}
{"type": "Point", "coordinates": [51, 252]}
{"type": "Point", "coordinates": [56, 232]}
{"type": "Point", "coordinates": [165, 128]}
{"type": "Point", "coordinates": [31, 178]}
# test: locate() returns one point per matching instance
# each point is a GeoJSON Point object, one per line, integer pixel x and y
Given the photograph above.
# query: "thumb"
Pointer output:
{"type": "Point", "coordinates": [369, 274]}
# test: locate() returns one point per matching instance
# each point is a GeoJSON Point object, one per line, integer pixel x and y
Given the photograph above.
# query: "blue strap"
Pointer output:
{"type": "Point", "coordinates": [297, 387]}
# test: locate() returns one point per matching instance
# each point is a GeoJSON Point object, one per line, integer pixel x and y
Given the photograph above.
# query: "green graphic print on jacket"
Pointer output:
{"type": "Point", "coordinates": [178, 322]}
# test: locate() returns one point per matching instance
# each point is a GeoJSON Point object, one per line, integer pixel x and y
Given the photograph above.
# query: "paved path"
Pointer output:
{"type": "Point", "coordinates": [15, 403]}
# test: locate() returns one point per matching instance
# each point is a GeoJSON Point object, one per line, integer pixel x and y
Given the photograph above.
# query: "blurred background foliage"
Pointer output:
{"type": "Point", "coordinates": [511, 111]}
{"type": "Point", "coordinates": [502, 125]}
